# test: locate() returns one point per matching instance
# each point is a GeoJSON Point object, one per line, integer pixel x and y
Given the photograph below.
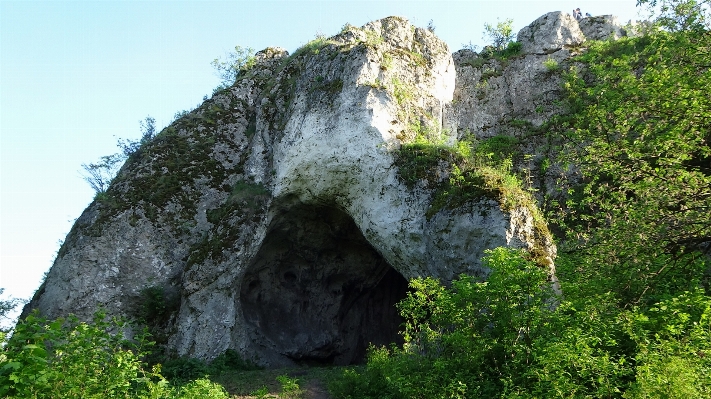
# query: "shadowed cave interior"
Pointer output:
{"type": "Point", "coordinates": [317, 292]}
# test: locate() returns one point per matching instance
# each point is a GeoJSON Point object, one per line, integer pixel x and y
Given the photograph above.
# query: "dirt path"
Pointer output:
{"type": "Point", "coordinates": [315, 389]}
{"type": "Point", "coordinates": [313, 382]}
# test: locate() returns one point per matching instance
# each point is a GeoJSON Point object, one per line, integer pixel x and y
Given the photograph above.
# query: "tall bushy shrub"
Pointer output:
{"type": "Point", "coordinates": [72, 359]}
{"type": "Point", "coordinates": [638, 133]}
{"type": "Point", "coordinates": [474, 340]}
{"type": "Point", "coordinates": [66, 358]}
{"type": "Point", "coordinates": [510, 337]}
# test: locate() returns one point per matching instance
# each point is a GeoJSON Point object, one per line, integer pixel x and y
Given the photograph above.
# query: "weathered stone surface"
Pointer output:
{"type": "Point", "coordinates": [276, 213]}
{"type": "Point", "coordinates": [602, 27]}
{"type": "Point", "coordinates": [490, 94]}
{"type": "Point", "coordinates": [550, 33]}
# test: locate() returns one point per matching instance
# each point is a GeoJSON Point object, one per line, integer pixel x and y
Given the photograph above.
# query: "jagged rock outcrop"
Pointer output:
{"type": "Point", "coordinates": [515, 96]}
{"type": "Point", "coordinates": [274, 220]}
{"type": "Point", "coordinates": [550, 33]}
{"type": "Point", "coordinates": [603, 27]}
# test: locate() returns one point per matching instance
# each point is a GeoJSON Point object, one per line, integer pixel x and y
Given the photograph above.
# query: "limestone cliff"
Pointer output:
{"type": "Point", "coordinates": [274, 220]}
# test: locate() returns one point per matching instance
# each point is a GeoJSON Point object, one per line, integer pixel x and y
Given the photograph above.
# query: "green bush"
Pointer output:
{"type": "Point", "coordinates": [510, 337]}
{"type": "Point", "coordinates": [673, 340]}
{"type": "Point", "coordinates": [638, 132]}
{"type": "Point", "coordinates": [235, 64]}
{"type": "Point", "coordinates": [186, 369]}
{"type": "Point", "coordinates": [66, 358]}
{"type": "Point", "coordinates": [474, 340]}
{"type": "Point", "coordinates": [551, 64]}
{"type": "Point", "coordinates": [202, 388]}
{"type": "Point", "coordinates": [497, 149]}
{"type": "Point", "coordinates": [290, 388]}
{"type": "Point", "coordinates": [156, 305]}
{"type": "Point", "coordinates": [501, 34]}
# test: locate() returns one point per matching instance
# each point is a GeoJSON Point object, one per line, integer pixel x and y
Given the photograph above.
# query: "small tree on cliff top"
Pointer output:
{"type": "Point", "coordinates": [229, 68]}
{"type": "Point", "coordinates": [500, 35]}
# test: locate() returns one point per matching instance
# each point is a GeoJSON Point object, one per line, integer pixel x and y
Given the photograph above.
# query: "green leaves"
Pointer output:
{"type": "Point", "coordinates": [233, 65]}
{"type": "Point", "coordinates": [640, 137]}
{"type": "Point", "coordinates": [673, 339]}
{"type": "Point", "coordinates": [680, 15]}
{"type": "Point", "coordinates": [464, 341]}
{"type": "Point", "coordinates": [66, 358]}
{"type": "Point", "coordinates": [500, 34]}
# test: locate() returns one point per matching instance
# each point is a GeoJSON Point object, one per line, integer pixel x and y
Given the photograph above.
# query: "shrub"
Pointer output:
{"type": "Point", "coordinates": [100, 175]}
{"type": "Point", "coordinates": [66, 358]}
{"type": "Point", "coordinates": [148, 132]}
{"type": "Point", "coordinates": [202, 388]}
{"type": "Point", "coordinates": [69, 358]}
{"type": "Point", "coordinates": [500, 34]}
{"type": "Point", "coordinates": [235, 63]}
{"type": "Point", "coordinates": [550, 64]}
{"type": "Point", "coordinates": [186, 369]}
{"type": "Point", "coordinates": [6, 307]}
{"type": "Point", "coordinates": [673, 340]}
{"type": "Point", "coordinates": [512, 49]}
{"type": "Point", "coordinates": [473, 340]}
{"type": "Point", "coordinates": [497, 149]}
{"type": "Point", "coordinates": [504, 339]}
{"type": "Point", "coordinates": [289, 387]}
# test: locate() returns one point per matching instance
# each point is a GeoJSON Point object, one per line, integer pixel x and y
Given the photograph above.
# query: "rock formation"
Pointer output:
{"type": "Point", "coordinates": [273, 219]}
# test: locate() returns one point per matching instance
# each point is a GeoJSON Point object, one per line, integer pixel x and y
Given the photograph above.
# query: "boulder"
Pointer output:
{"type": "Point", "coordinates": [550, 33]}
{"type": "Point", "coordinates": [603, 27]}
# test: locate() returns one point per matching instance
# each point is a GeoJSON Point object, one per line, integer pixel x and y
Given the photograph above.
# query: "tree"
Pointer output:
{"type": "Point", "coordinates": [680, 15]}
{"type": "Point", "coordinates": [500, 35]}
{"type": "Point", "coordinates": [6, 306]}
{"type": "Point", "coordinates": [148, 132]}
{"type": "Point", "coordinates": [640, 134]}
{"type": "Point", "coordinates": [235, 62]}
{"type": "Point", "coordinates": [99, 175]}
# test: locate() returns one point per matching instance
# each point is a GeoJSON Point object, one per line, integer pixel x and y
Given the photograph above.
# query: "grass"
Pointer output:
{"type": "Point", "coordinates": [251, 384]}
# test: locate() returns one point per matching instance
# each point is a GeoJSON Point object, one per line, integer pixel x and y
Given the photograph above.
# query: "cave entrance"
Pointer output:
{"type": "Point", "coordinates": [317, 292]}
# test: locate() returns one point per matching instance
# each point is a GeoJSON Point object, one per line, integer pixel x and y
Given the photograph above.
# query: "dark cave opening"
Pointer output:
{"type": "Point", "coordinates": [318, 293]}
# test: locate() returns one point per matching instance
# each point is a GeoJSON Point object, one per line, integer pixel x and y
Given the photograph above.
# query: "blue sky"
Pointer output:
{"type": "Point", "coordinates": [75, 76]}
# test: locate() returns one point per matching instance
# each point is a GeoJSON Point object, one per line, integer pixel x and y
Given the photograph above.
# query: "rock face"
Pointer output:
{"type": "Point", "coordinates": [273, 219]}
{"type": "Point", "coordinates": [514, 97]}
{"type": "Point", "coordinates": [550, 33]}
{"type": "Point", "coordinates": [603, 27]}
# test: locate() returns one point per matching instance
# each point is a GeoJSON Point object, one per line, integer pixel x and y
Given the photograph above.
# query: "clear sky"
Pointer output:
{"type": "Point", "coordinates": [77, 75]}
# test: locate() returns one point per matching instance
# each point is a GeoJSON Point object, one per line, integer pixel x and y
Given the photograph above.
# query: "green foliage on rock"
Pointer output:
{"type": "Point", "coordinates": [244, 205]}
{"type": "Point", "coordinates": [468, 171]}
